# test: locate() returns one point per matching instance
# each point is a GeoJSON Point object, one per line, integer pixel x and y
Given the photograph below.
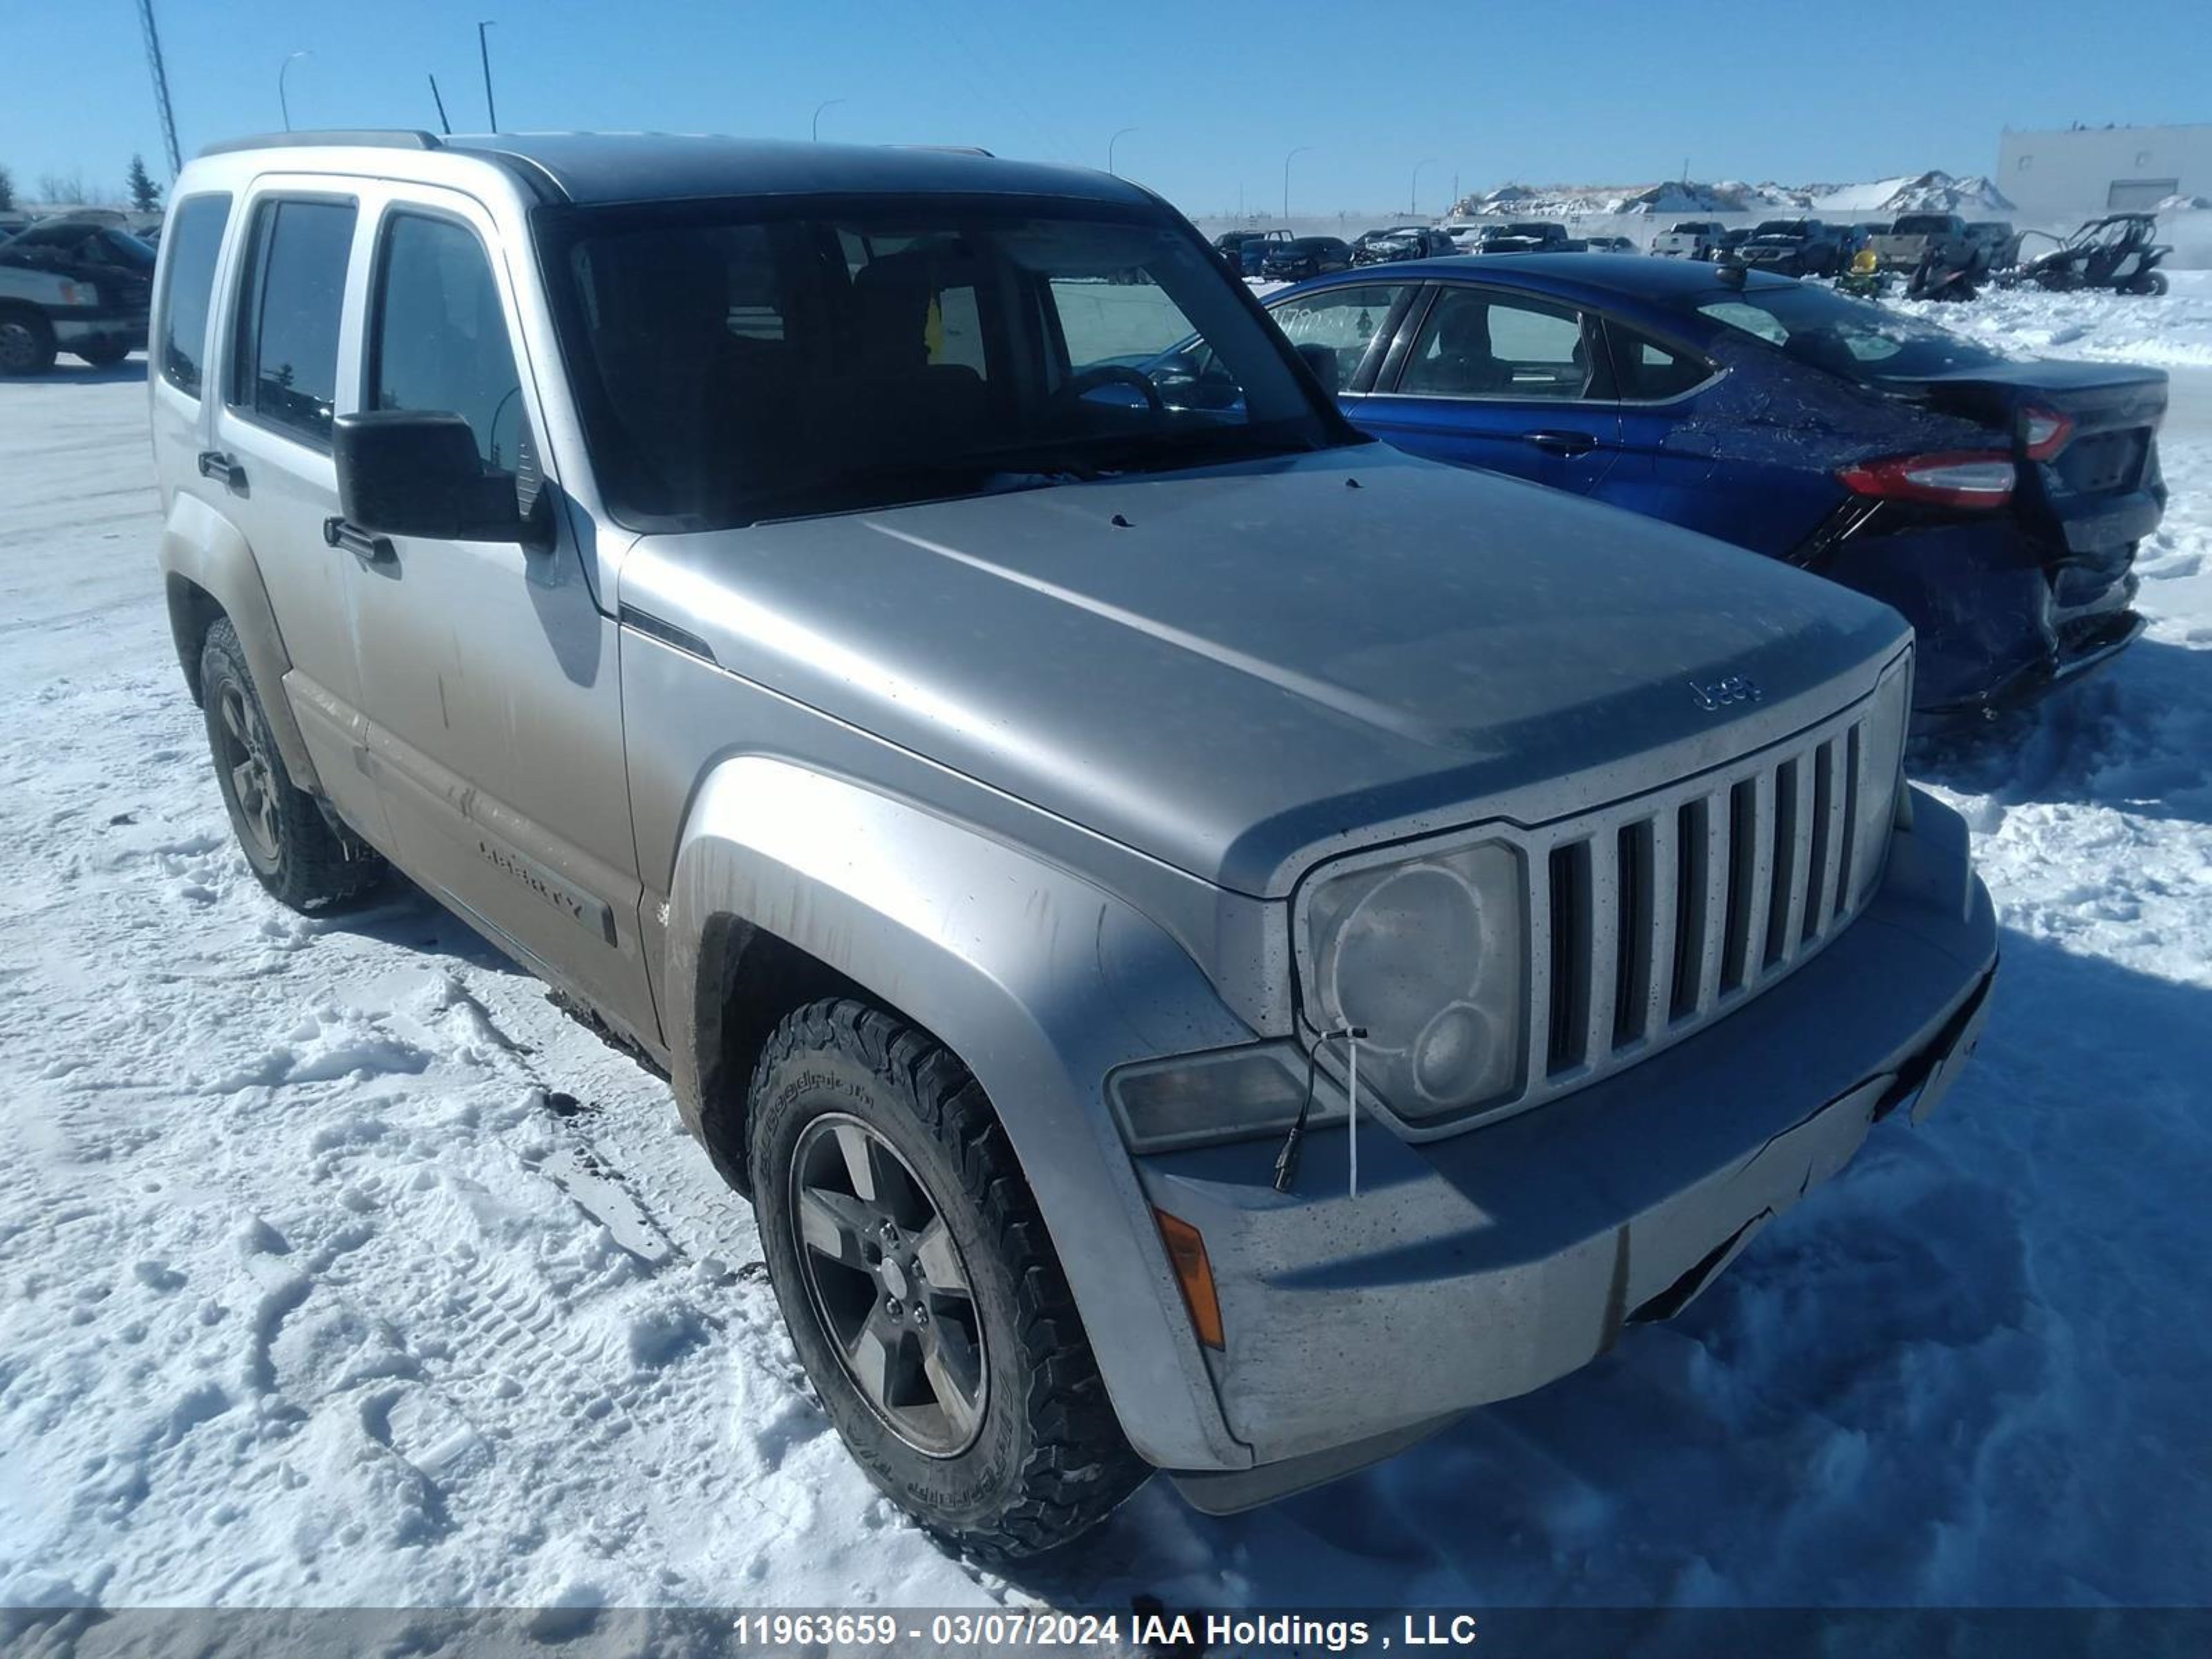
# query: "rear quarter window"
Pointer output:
{"type": "Point", "coordinates": [195, 235]}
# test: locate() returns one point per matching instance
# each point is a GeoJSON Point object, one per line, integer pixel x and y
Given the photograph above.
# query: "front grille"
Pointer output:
{"type": "Point", "coordinates": [1652, 917]}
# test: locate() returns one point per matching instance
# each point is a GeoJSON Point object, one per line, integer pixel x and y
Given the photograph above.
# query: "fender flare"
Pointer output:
{"type": "Point", "coordinates": [201, 547]}
{"type": "Point", "coordinates": [1040, 981]}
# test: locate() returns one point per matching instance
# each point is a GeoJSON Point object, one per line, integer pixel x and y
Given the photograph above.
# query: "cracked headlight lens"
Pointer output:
{"type": "Point", "coordinates": [1430, 956]}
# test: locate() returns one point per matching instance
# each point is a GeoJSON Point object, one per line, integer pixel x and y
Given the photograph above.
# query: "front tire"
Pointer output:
{"type": "Point", "coordinates": [291, 849]}
{"type": "Point", "coordinates": [26, 343]}
{"type": "Point", "coordinates": [922, 1292]}
{"type": "Point", "coordinates": [105, 356]}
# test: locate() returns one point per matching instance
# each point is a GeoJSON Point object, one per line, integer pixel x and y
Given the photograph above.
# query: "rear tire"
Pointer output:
{"type": "Point", "coordinates": [290, 847]}
{"type": "Point", "coordinates": [102, 356]}
{"type": "Point", "coordinates": [999, 1438]}
{"type": "Point", "coordinates": [26, 343]}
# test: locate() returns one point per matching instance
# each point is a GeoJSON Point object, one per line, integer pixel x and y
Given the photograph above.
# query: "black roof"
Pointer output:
{"type": "Point", "coordinates": [653, 167]}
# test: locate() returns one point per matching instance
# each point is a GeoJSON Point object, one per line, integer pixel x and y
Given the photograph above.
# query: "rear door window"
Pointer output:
{"type": "Point", "coordinates": [195, 233]}
{"type": "Point", "coordinates": [294, 298]}
{"type": "Point", "coordinates": [1473, 343]}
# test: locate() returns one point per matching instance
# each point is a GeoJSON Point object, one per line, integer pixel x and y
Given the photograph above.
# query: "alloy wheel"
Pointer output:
{"type": "Point", "coordinates": [248, 774]}
{"type": "Point", "coordinates": [888, 1285]}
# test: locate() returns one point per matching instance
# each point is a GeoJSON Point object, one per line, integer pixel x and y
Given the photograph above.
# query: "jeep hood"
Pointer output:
{"type": "Point", "coordinates": [1242, 669]}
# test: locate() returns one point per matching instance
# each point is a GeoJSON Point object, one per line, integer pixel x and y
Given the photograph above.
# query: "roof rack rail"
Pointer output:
{"type": "Point", "coordinates": [362, 138]}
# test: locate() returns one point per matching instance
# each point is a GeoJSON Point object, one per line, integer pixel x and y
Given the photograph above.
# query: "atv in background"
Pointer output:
{"type": "Point", "coordinates": [2115, 252]}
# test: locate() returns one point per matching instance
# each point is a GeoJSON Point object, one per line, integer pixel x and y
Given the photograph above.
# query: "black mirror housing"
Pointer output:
{"type": "Point", "coordinates": [410, 472]}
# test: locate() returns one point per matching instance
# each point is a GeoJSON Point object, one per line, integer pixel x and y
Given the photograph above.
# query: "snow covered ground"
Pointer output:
{"type": "Point", "coordinates": [336, 1268]}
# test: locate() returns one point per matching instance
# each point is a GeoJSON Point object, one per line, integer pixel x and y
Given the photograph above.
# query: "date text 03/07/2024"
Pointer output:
{"type": "Point", "coordinates": [1154, 1631]}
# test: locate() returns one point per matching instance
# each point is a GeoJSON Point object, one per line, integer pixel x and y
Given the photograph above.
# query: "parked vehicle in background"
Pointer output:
{"type": "Point", "coordinates": [1304, 256]}
{"type": "Point", "coordinates": [1608, 244]}
{"type": "Point", "coordinates": [1466, 237]}
{"type": "Point", "coordinates": [1999, 239]}
{"type": "Point", "coordinates": [78, 286]}
{"type": "Point", "coordinates": [2119, 252]}
{"type": "Point", "coordinates": [1688, 238]}
{"type": "Point", "coordinates": [1242, 251]}
{"type": "Point", "coordinates": [1998, 504]}
{"type": "Point", "coordinates": [1917, 239]}
{"type": "Point", "coordinates": [1401, 242]}
{"type": "Point", "coordinates": [1794, 248]}
{"type": "Point", "coordinates": [1287, 944]}
{"type": "Point", "coordinates": [1530, 236]}
{"type": "Point", "coordinates": [1729, 239]}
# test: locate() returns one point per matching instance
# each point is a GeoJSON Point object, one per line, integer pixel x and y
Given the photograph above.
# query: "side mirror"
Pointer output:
{"type": "Point", "coordinates": [1322, 360]}
{"type": "Point", "coordinates": [408, 472]}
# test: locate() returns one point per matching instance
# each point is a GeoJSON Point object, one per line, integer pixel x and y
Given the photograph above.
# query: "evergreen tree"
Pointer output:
{"type": "Point", "coordinates": [7, 189]}
{"type": "Point", "coordinates": [145, 194]}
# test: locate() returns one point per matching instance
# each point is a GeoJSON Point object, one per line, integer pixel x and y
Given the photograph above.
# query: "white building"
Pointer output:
{"type": "Point", "coordinates": [2085, 171]}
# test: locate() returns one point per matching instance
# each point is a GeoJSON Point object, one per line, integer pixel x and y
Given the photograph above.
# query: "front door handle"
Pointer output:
{"type": "Point", "coordinates": [375, 549]}
{"type": "Point", "coordinates": [1564, 443]}
{"type": "Point", "coordinates": [214, 463]}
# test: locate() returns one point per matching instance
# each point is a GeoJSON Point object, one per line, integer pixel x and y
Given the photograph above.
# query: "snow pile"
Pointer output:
{"type": "Point", "coordinates": [2168, 331]}
{"type": "Point", "coordinates": [1973, 196]}
{"type": "Point", "coordinates": [336, 1266]}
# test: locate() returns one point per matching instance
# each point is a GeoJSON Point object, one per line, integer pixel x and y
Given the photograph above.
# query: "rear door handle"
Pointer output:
{"type": "Point", "coordinates": [214, 463]}
{"type": "Point", "coordinates": [375, 549]}
{"type": "Point", "coordinates": [1563, 443]}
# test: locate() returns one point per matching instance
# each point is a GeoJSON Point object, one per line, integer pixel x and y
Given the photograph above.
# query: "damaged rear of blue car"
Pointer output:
{"type": "Point", "coordinates": [1998, 504]}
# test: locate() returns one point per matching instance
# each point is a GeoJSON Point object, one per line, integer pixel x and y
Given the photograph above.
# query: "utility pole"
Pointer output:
{"type": "Point", "coordinates": [1413, 194]}
{"type": "Point", "coordinates": [1287, 159]}
{"type": "Point", "coordinates": [284, 69]}
{"type": "Point", "coordinates": [1110, 143]}
{"type": "Point", "coordinates": [483, 51]}
{"type": "Point", "coordinates": [161, 86]}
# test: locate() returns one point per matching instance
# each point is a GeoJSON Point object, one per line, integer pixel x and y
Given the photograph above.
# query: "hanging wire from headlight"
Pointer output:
{"type": "Point", "coordinates": [1286, 1160]}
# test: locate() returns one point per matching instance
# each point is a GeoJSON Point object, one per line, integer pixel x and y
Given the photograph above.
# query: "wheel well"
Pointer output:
{"type": "Point", "coordinates": [748, 980]}
{"type": "Point", "coordinates": [192, 611]}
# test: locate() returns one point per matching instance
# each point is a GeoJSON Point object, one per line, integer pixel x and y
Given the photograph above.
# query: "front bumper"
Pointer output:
{"type": "Point", "coordinates": [98, 326]}
{"type": "Point", "coordinates": [1474, 1268]}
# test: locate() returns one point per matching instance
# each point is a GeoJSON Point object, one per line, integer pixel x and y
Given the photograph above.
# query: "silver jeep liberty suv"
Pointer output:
{"type": "Point", "coordinates": [901, 639]}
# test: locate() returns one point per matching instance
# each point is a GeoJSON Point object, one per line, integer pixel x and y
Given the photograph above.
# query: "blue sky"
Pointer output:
{"type": "Point", "coordinates": [1594, 92]}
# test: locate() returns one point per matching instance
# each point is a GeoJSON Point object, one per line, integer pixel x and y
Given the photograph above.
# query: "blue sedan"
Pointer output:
{"type": "Point", "coordinates": [1998, 504]}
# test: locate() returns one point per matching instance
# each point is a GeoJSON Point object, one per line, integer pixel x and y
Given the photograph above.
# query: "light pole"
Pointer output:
{"type": "Point", "coordinates": [483, 51]}
{"type": "Point", "coordinates": [282, 102]}
{"type": "Point", "coordinates": [1115, 140]}
{"type": "Point", "coordinates": [1287, 159]}
{"type": "Point", "coordinates": [1413, 194]}
{"type": "Point", "coordinates": [815, 130]}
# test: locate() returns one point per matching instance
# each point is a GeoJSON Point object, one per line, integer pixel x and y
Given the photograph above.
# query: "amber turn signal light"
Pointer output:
{"type": "Point", "coordinates": [1187, 1253]}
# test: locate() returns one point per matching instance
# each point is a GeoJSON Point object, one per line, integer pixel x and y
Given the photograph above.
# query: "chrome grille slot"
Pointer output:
{"type": "Point", "coordinates": [1664, 912]}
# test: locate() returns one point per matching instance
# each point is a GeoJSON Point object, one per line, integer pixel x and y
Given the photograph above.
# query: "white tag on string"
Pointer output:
{"type": "Point", "coordinates": [1352, 1107]}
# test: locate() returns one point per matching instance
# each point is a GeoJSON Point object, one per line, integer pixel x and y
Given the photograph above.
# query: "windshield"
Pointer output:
{"type": "Point", "coordinates": [1857, 339]}
{"type": "Point", "coordinates": [1778, 228]}
{"type": "Point", "coordinates": [1922, 224]}
{"type": "Point", "coordinates": [741, 362]}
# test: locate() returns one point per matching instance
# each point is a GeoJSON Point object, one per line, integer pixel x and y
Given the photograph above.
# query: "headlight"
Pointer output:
{"type": "Point", "coordinates": [1882, 772]}
{"type": "Point", "coordinates": [1430, 955]}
